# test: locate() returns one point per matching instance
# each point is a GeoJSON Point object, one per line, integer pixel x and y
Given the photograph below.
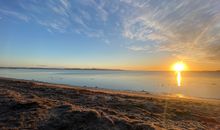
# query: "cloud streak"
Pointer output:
{"type": "Point", "coordinates": [186, 28]}
{"type": "Point", "coordinates": [14, 14]}
{"type": "Point", "coordinates": [139, 48]}
{"type": "Point", "coordinates": [63, 15]}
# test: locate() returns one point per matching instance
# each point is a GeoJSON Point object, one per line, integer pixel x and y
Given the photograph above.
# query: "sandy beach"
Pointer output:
{"type": "Point", "coordinates": [44, 106]}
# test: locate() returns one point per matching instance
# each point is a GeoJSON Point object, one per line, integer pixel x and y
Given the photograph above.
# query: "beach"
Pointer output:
{"type": "Point", "coordinates": [26, 104]}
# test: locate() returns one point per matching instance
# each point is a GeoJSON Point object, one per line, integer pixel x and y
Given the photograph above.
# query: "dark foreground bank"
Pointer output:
{"type": "Point", "coordinates": [35, 105]}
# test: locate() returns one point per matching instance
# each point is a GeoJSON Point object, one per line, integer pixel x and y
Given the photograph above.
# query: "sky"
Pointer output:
{"type": "Point", "coordinates": [114, 34]}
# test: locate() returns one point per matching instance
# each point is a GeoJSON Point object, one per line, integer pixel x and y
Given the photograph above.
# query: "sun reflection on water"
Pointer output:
{"type": "Point", "coordinates": [178, 78]}
{"type": "Point", "coordinates": [180, 95]}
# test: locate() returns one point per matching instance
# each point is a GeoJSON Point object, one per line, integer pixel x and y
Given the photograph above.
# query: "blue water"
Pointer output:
{"type": "Point", "coordinates": [196, 84]}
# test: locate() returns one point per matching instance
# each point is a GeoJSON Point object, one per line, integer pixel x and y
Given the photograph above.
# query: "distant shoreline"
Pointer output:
{"type": "Point", "coordinates": [56, 68]}
{"type": "Point", "coordinates": [60, 68]}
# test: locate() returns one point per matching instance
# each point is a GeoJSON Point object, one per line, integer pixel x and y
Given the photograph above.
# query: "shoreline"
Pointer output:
{"type": "Point", "coordinates": [27, 104]}
{"type": "Point", "coordinates": [140, 93]}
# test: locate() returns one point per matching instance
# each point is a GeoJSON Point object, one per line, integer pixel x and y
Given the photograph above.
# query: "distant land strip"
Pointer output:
{"type": "Point", "coordinates": [49, 68]}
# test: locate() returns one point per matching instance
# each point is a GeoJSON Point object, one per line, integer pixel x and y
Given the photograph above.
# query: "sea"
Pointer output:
{"type": "Point", "coordinates": [203, 84]}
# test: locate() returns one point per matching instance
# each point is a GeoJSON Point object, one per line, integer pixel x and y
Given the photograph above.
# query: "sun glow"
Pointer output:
{"type": "Point", "coordinates": [178, 67]}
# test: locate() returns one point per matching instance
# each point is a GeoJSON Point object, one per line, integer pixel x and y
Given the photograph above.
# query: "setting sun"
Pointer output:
{"type": "Point", "coordinates": [179, 66]}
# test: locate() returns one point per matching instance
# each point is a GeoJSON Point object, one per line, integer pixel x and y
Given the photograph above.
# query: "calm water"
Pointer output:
{"type": "Point", "coordinates": [197, 84]}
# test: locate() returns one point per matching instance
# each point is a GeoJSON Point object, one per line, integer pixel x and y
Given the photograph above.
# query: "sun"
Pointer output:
{"type": "Point", "coordinates": [179, 66]}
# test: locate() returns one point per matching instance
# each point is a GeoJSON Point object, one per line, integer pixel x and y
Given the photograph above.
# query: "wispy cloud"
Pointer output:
{"type": "Point", "coordinates": [14, 14]}
{"type": "Point", "coordinates": [185, 28]}
{"type": "Point", "coordinates": [65, 15]}
{"type": "Point", "coordinates": [188, 29]}
{"type": "Point", "coordinates": [62, 7]}
{"type": "Point", "coordinates": [55, 25]}
{"type": "Point", "coordinates": [98, 6]}
{"type": "Point", "coordinates": [139, 48]}
{"type": "Point", "coordinates": [65, 3]}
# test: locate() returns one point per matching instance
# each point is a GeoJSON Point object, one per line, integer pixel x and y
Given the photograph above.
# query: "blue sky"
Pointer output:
{"type": "Point", "coordinates": [125, 34]}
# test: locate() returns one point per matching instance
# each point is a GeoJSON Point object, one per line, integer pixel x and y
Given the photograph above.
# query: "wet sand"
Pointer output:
{"type": "Point", "coordinates": [43, 106]}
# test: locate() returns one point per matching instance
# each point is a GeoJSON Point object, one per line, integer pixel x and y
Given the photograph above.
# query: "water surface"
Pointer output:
{"type": "Point", "coordinates": [196, 84]}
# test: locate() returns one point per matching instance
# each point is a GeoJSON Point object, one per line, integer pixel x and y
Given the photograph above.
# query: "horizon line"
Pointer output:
{"type": "Point", "coordinates": [94, 68]}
